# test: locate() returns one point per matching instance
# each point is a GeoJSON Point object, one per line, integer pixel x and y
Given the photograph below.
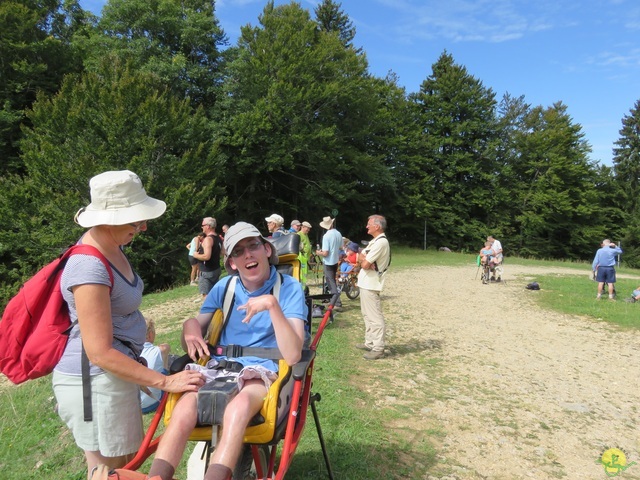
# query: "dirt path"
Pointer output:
{"type": "Point", "coordinates": [521, 392]}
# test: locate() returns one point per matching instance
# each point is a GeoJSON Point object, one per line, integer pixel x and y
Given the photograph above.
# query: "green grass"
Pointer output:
{"type": "Point", "coordinates": [576, 295]}
{"type": "Point", "coordinates": [365, 439]}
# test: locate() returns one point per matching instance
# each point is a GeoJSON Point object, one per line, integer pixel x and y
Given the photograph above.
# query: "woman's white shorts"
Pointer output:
{"type": "Point", "coordinates": [116, 428]}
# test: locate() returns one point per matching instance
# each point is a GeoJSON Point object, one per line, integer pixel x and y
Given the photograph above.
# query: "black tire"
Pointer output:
{"type": "Point", "coordinates": [245, 469]}
{"type": "Point", "coordinates": [486, 275]}
{"type": "Point", "coordinates": [315, 268]}
{"type": "Point", "coordinates": [351, 288]}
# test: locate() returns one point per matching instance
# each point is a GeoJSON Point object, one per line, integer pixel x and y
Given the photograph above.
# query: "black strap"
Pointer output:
{"type": "Point", "coordinates": [86, 387]}
{"type": "Point", "coordinates": [237, 351]}
{"type": "Point", "coordinates": [229, 365]}
{"type": "Point", "coordinates": [86, 380]}
{"type": "Point", "coordinates": [375, 264]}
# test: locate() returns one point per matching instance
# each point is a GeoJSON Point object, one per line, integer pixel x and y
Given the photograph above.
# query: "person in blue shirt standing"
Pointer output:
{"type": "Point", "coordinates": [330, 253]}
{"type": "Point", "coordinates": [604, 267]}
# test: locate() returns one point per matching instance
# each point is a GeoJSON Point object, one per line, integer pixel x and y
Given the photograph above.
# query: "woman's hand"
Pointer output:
{"type": "Point", "coordinates": [185, 381]}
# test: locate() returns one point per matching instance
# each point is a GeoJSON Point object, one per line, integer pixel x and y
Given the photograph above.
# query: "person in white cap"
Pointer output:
{"type": "Point", "coordinates": [305, 251]}
{"type": "Point", "coordinates": [330, 253]}
{"type": "Point", "coordinates": [257, 319]}
{"type": "Point", "coordinates": [275, 225]}
{"type": "Point", "coordinates": [108, 326]}
{"type": "Point", "coordinates": [295, 226]}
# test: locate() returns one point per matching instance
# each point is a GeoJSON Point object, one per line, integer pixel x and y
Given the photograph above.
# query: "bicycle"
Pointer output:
{"type": "Point", "coordinates": [315, 268]}
{"type": "Point", "coordinates": [348, 283]}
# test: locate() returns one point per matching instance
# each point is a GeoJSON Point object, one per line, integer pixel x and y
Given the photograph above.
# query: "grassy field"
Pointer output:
{"type": "Point", "coordinates": [361, 442]}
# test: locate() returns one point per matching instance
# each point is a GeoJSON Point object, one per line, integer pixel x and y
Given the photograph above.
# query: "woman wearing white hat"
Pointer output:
{"type": "Point", "coordinates": [108, 326]}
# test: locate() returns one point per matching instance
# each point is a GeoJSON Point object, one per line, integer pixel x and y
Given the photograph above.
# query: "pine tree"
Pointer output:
{"type": "Point", "coordinates": [455, 166]}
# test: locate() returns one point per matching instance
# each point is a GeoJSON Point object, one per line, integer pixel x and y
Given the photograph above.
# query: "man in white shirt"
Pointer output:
{"type": "Point", "coordinates": [374, 261]}
{"type": "Point", "coordinates": [496, 246]}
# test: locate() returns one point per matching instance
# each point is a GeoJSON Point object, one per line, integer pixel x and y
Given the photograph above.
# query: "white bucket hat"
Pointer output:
{"type": "Point", "coordinates": [274, 217]}
{"type": "Point", "coordinates": [117, 198]}
{"type": "Point", "coordinates": [240, 231]}
{"type": "Point", "coordinates": [327, 223]}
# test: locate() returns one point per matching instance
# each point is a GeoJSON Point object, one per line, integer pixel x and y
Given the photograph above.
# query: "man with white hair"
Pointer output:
{"type": "Point", "coordinates": [275, 224]}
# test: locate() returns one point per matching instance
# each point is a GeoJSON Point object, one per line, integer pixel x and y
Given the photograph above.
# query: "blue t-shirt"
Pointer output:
{"type": "Point", "coordinates": [152, 354]}
{"type": "Point", "coordinates": [331, 242]}
{"type": "Point", "coordinates": [259, 331]}
{"type": "Point", "coordinates": [606, 257]}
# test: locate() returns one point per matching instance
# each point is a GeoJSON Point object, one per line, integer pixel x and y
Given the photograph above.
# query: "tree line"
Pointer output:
{"type": "Point", "coordinates": [288, 120]}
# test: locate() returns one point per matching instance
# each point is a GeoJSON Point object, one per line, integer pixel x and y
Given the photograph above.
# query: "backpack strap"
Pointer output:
{"type": "Point", "coordinates": [83, 249]}
{"type": "Point", "coordinates": [229, 300]}
{"type": "Point", "coordinates": [375, 264]}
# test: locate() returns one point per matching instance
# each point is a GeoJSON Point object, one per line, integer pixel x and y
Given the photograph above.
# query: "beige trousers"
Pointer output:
{"type": "Point", "coordinates": [374, 328]}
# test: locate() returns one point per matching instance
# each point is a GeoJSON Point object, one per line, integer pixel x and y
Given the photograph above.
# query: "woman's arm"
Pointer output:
{"type": "Point", "coordinates": [93, 305]}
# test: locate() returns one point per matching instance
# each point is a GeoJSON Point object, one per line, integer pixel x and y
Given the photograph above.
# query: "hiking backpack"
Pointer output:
{"type": "Point", "coordinates": [35, 324]}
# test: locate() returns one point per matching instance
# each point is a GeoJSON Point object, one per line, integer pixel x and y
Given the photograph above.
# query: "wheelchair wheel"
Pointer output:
{"type": "Point", "coordinates": [486, 274]}
{"type": "Point", "coordinates": [245, 469]}
{"type": "Point", "coordinates": [351, 288]}
{"type": "Point", "coordinates": [315, 268]}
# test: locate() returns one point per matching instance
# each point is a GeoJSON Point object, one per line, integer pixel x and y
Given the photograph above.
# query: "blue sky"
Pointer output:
{"type": "Point", "coordinates": [584, 53]}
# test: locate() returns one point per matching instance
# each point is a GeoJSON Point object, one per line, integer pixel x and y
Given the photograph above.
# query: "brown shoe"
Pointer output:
{"type": "Point", "coordinates": [373, 355]}
{"type": "Point", "coordinates": [362, 346]}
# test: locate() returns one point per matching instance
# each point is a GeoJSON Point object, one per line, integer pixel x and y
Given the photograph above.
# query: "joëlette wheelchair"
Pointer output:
{"type": "Point", "coordinates": [283, 414]}
{"type": "Point", "coordinates": [490, 273]}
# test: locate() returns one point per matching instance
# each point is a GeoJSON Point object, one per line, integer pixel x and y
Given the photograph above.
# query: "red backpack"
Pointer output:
{"type": "Point", "coordinates": [35, 324]}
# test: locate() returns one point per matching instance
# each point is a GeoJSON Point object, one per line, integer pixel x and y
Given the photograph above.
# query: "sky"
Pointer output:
{"type": "Point", "coordinates": [583, 53]}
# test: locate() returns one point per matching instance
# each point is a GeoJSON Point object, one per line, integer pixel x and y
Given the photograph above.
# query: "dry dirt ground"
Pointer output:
{"type": "Point", "coordinates": [519, 392]}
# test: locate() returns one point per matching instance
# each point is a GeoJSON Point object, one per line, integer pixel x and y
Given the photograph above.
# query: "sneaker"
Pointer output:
{"type": "Point", "coordinates": [598, 297]}
{"type": "Point", "coordinates": [373, 355]}
{"type": "Point", "coordinates": [193, 284]}
{"type": "Point", "coordinates": [362, 346]}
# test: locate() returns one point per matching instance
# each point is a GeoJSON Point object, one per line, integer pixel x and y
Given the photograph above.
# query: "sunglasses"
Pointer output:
{"type": "Point", "coordinates": [252, 247]}
{"type": "Point", "coordinates": [138, 225]}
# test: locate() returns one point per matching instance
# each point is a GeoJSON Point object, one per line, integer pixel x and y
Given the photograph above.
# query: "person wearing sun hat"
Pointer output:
{"type": "Point", "coordinates": [257, 319]}
{"type": "Point", "coordinates": [330, 253]}
{"type": "Point", "coordinates": [108, 325]}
